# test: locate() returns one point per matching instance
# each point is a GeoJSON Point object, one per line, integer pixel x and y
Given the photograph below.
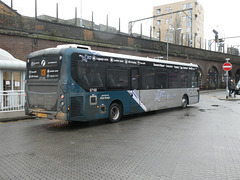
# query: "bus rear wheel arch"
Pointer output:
{"type": "Point", "coordinates": [184, 101]}
{"type": "Point", "coordinates": [115, 112]}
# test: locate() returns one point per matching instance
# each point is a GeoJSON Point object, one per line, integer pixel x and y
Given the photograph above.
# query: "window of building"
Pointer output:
{"type": "Point", "coordinates": [170, 9]}
{"type": "Point", "coordinates": [158, 34]}
{"type": "Point", "coordinates": [158, 11]}
{"type": "Point", "coordinates": [189, 24]}
{"type": "Point", "coordinates": [16, 80]}
{"type": "Point", "coordinates": [166, 9]}
{"type": "Point", "coordinates": [158, 22]}
{"type": "Point", "coordinates": [189, 5]}
{"type": "Point", "coordinates": [170, 20]}
{"type": "Point", "coordinates": [183, 18]}
{"type": "Point", "coordinates": [188, 18]}
{"type": "Point", "coordinates": [184, 6]}
{"type": "Point", "coordinates": [7, 81]}
{"type": "Point", "coordinates": [12, 81]}
{"type": "Point", "coordinates": [179, 13]}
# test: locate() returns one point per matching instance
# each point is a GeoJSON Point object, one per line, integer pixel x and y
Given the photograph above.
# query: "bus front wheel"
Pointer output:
{"type": "Point", "coordinates": [115, 112]}
{"type": "Point", "coordinates": [184, 102]}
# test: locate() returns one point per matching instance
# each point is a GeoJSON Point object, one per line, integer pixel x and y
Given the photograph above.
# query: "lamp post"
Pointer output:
{"type": "Point", "coordinates": [167, 44]}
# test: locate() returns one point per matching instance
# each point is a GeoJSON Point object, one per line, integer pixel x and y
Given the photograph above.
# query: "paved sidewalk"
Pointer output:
{"type": "Point", "coordinates": [14, 116]}
{"type": "Point", "coordinates": [222, 96]}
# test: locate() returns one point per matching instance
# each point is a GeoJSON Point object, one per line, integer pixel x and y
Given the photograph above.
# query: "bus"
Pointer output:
{"type": "Point", "coordinates": [74, 83]}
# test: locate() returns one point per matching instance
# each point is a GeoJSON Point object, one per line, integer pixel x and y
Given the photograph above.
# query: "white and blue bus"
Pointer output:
{"type": "Point", "coordinates": [75, 83]}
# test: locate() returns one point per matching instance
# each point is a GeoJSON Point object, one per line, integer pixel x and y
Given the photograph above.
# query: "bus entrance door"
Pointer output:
{"type": "Point", "coordinates": [135, 93]}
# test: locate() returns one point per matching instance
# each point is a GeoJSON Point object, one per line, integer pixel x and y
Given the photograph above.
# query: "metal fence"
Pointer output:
{"type": "Point", "coordinates": [12, 100]}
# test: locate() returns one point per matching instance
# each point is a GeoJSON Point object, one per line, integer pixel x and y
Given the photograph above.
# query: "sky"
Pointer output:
{"type": "Point", "coordinates": [219, 15]}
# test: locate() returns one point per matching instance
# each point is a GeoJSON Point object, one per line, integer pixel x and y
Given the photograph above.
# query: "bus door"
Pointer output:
{"type": "Point", "coordinates": [135, 92]}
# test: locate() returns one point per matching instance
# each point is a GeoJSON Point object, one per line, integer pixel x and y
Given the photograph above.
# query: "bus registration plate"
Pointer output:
{"type": "Point", "coordinates": [42, 115]}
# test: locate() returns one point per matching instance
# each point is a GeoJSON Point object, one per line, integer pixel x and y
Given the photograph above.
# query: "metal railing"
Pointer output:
{"type": "Point", "coordinates": [12, 100]}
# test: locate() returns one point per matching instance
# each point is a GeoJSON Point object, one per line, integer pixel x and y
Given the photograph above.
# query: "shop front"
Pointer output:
{"type": "Point", "coordinates": [12, 75]}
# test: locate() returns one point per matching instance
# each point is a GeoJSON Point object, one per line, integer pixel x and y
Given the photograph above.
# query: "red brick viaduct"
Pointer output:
{"type": "Point", "coordinates": [20, 35]}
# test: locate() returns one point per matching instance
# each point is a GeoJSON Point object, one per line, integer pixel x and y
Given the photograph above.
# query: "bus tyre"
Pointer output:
{"type": "Point", "coordinates": [184, 102]}
{"type": "Point", "coordinates": [115, 113]}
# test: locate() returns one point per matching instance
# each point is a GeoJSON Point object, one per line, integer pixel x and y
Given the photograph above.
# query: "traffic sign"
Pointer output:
{"type": "Point", "coordinates": [227, 66]}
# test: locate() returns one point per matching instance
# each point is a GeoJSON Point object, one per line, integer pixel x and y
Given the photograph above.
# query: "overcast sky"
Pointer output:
{"type": "Point", "coordinates": [220, 15]}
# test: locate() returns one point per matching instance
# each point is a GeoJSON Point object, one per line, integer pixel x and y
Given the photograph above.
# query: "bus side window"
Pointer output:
{"type": "Point", "coordinates": [193, 79]}
{"type": "Point", "coordinates": [161, 80]}
{"type": "Point", "coordinates": [174, 79]}
{"type": "Point", "coordinates": [117, 77]}
{"type": "Point", "coordinates": [134, 78]}
{"type": "Point", "coordinates": [148, 78]}
{"type": "Point", "coordinates": [184, 79]}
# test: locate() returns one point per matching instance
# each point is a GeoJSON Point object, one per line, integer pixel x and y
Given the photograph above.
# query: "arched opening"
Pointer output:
{"type": "Point", "coordinates": [212, 78]}
{"type": "Point", "coordinates": [237, 75]}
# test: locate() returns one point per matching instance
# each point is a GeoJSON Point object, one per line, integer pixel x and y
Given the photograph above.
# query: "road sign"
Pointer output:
{"type": "Point", "coordinates": [227, 66]}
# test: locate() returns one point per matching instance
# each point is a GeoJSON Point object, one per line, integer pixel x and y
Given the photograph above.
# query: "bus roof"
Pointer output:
{"type": "Point", "coordinates": [142, 58]}
{"type": "Point", "coordinates": [87, 49]}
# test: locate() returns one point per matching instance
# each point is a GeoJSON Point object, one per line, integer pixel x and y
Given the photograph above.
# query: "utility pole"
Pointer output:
{"type": "Point", "coordinates": [57, 12]}
{"type": "Point", "coordinates": [35, 9]}
{"type": "Point", "coordinates": [80, 13]}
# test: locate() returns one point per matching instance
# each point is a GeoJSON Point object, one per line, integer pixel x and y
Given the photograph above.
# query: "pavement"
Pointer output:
{"type": "Point", "coordinates": [14, 116]}
{"type": "Point", "coordinates": [20, 115]}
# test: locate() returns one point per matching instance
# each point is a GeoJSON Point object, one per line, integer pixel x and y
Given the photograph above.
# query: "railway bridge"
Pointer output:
{"type": "Point", "coordinates": [22, 35]}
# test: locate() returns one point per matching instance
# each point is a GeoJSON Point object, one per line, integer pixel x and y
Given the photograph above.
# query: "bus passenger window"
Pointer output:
{"type": "Point", "coordinates": [161, 80]}
{"type": "Point", "coordinates": [134, 78]}
{"type": "Point", "coordinates": [184, 79]}
{"type": "Point", "coordinates": [193, 79]}
{"type": "Point", "coordinates": [174, 79]}
{"type": "Point", "coordinates": [118, 79]}
{"type": "Point", "coordinates": [88, 75]}
{"type": "Point", "coordinates": [148, 78]}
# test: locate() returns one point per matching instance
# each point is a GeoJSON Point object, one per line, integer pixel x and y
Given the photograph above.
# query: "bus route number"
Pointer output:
{"type": "Point", "coordinates": [43, 72]}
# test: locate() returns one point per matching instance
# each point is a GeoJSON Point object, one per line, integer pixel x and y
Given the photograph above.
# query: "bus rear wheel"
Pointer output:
{"type": "Point", "coordinates": [115, 113]}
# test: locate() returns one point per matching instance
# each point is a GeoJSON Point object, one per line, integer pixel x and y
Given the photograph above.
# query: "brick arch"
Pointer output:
{"type": "Point", "coordinates": [213, 77]}
{"type": "Point", "coordinates": [237, 75]}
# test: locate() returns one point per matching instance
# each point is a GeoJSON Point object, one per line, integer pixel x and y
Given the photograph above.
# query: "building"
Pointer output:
{"type": "Point", "coordinates": [79, 22]}
{"type": "Point", "coordinates": [12, 75]}
{"type": "Point", "coordinates": [180, 23]}
{"type": "Point", "coordinates": [233, 51]}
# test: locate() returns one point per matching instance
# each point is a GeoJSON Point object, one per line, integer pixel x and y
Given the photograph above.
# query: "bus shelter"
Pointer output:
{"type": "Point", "coordinates": [12, 75]}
